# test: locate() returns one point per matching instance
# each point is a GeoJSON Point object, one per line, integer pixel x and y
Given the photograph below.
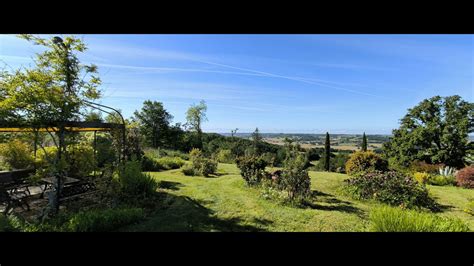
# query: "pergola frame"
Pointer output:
{"type": "Point", "coordinates": [70, 126]}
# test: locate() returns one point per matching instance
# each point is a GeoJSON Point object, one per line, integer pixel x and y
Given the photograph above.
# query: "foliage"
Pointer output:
{"type": "Point", "coordinates": [54, 90]}
{"type": "Point", "coordinates": [434, 131]}
{"type": "Point", "coordinates": [159, 153]}
{"type": "Point", "coordinates": [393, 219]}
{"type": "Point", "coordinates": [421, 166]}
{"type": "Point", "coordinates": [80, 159]}
{"type": "Point", "coordinates": [189, 170]}
{"type": "Point", "coordinates": [154, 123]}
{"type": "Point", "coordinates": [103, 220]}
{"type": "Point", "coordinates": [225, 156]}
{"type": "Point", "coordinates": [16, 154]}
{"type": "Point", "coordinates": [252, 169]}
{"type": "Point", "coordinates": [200, 165]}
{"type": "Point", "coordinates": [421, 177]}
{"type": "Point", "coordinates": [295, 179]}
{"type": "Point", "coordinates": [195, 116]}
{"type": "Point", "coordinates": [167, 163]}
{"type": "Point", "coordinates": [364, 143]}
{"type": "Point", "coordinates": [470, 208]}
{"type": "Point", "coordinates": [314, 154]}
{"type": "Point", "coordinates": [440, 180]}
{"type": "Point", "coordinates": [163, 163]}
{"type": "Point", "coordinates": [465, 177]}
{"type": "Point", "coordinates": [105, 152]}
{"type": "Point", "coordinates": [447, 171]}
{"type": "Point", "coordinates": [133, 183]}
{"type": "Point", "coordinates": [392, 188]}
{"type": "Point", "coordinates": [365, 162]}
{"type": "Point", "coordinates": [327, 153]}
{"type": "Point", "coordinates": [95, 220]}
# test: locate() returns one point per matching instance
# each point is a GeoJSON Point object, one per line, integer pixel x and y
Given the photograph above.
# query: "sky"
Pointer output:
{"type": "Point", "coordinates": [278, 83]}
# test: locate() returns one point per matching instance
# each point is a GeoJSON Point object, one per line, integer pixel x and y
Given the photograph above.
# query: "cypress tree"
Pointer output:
{"type": "Point", "coordinates": [364, 142]}
{"type": "Point", "coordinates": [327, 152]}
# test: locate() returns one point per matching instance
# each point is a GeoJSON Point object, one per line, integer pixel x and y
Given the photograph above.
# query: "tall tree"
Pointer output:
{"type": "Point", "coordinates": [154, 123]}
{"type": "Point", "coordinates": [256, 140]}
{"type": "Point", "coordinates": [327, 153]}
{"type": "Point", "coordinates": [195, 116]}
{"type": "Point", "coordinates": [53, 91]}
{"type": "Point", "coordinates": [364, 143]}
{"type": "Point", "coordinates": [434, 131]}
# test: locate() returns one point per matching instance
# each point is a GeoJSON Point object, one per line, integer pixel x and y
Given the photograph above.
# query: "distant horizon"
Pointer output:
{"type": "Point", "coordinates": [310, 83]}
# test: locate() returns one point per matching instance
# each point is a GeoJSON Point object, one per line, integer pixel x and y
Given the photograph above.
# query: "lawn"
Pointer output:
{"type": "Point", "coordinates": [225, 203]}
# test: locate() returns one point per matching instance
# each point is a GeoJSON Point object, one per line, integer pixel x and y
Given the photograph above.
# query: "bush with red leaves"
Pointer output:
{"type": "Point", "coordinates": [465, 177]}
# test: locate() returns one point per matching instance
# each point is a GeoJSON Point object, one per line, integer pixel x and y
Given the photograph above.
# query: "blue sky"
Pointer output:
{"type": "Point", "coordinates": [278, 83]}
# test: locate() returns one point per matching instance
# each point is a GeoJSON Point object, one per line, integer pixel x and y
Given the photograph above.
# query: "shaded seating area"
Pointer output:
{"type": "Point", "coordinates": [17, 188]}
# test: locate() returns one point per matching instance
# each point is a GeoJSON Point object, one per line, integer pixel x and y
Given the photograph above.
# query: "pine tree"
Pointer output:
{"type": "Point", "coordinates": [327, 152]}
{"type": "Point", "coordinates": [364, 142]}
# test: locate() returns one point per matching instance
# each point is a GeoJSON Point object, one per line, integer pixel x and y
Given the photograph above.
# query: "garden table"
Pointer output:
{"type": "Point", "coordinates": [49, 181]}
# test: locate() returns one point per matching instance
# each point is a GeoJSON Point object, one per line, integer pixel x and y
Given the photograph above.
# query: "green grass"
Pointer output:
{"type": "Point", "coordinates": [392, 219]}
{"type": "Point", "coordinates": [224, 203]}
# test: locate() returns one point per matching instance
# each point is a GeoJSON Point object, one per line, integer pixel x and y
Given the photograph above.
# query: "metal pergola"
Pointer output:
{"type": "Point", "coordinates": [70, 126]}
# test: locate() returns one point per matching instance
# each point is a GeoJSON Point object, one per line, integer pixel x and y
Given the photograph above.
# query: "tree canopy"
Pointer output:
{"type": "Point", "coordinates": [54, 89]}
{"type": "Point", "coordinates": [154, 123]}
{"type": "Point", "coordinates": [434, 131]}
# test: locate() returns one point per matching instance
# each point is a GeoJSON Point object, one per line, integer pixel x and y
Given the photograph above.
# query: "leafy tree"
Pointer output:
{"type": "Point", "coordinates": [54, 90]}
{"type": "Point", "coordinates": [327, 153]}
{"type": "Point", "coordinates": [364, 143]}
{"type": "Point", "coordinates": [434, 131]}
{"type": "Point", "coordinates": [195, 116]}
{"type": "Point", "coordinates": [154, 123]}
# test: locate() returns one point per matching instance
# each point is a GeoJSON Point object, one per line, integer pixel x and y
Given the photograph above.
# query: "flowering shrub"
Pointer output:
{"type": "Point", "coordinates": [465, 177]}
{"type": "Point", "coordinates": [392, 188]}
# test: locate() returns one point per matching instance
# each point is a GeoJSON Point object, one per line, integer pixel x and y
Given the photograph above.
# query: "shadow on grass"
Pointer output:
{"type": "Point", "coordinates": [184, 214]}
{"type": "Point", "coordinates": [170, 185]}
{"type": "Point", "coordinates": [335, 203]}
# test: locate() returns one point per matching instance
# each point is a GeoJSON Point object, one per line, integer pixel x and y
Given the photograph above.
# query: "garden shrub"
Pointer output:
{"type": "Point", "coordinates": [393, 219]}
{"type": "Point", "coordinates": [200, 165]}
{"type": "Point", "coordinates": [16, 154]}
{"type": "Point", "coordinates": [149, 164]}
{"type": "Point", "coordinates": [81, 161]}
{"type": "Point", "coordinates": [360, 162]}
{"type": "Point", "coordinates": [97, 220]}
{"type": "Point", "coordinates": [105, 151]}
{"type": "Point", "coordinates": [439, 180]}
{"type": "Point", "coordinates": [159, 153]}
{"type": "Point", "coordinates": [421, 166]}
{"type": "Point", "coordinates": [103, 220]}
{"type": "Point", "coordinates": [465, 177]}
{"type": "Point", "coordinates": [189, 170]}
{"type": "Point", "coordinates": [421, 177]}
{"type": "Point", "coordinates": [167, 163]}
{"type": "Point", "coordinates": [163, 163]}
{"type": "Point", "coordinates": [252, 169]}
{"type": "Point", "coordinates": [295, 179]}
{"type": "Point", "coordinates": [225, 156]}
{"type": "Point", "coordinates": [393, 188]}
{"type": "Point", "coordinates": [133, 183]}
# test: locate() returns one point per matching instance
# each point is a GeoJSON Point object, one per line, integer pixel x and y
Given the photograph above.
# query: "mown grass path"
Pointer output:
{"type": "Point", "coordinates": [225, 203]}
